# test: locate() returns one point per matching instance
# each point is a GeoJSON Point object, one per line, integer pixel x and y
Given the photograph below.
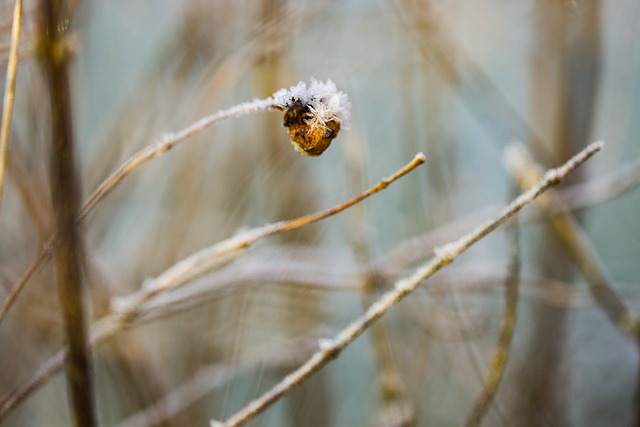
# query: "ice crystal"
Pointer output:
{"type": "Point", "coordinates": [323, 100]}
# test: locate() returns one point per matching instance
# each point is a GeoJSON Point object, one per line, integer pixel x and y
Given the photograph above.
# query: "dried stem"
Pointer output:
{"type": "Point", "coordinates": [498, 361]}
{"type": "Point", "coordinates": [165, 143]}
{"type": "Point", "coordinates": [330, 348]}
{"type": "Point", "coordinates": [9, 90]}
{"type": "Point", "coordinates": [126, 309]}
{"type": "Point", "coordinates": [65, 196]}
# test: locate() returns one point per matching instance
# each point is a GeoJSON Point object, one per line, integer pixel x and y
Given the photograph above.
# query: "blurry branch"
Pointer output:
{"type": "Point", "coordinates": [282, 269]}
{"type": "Point", "coordinates": [395, 406]}
{"type": "Point", "coordinates": [596, 191]}
{"type": "Point", "coordinates": [442, 323]}
{"type": "Point", "coordinates": [329, 349]}
{"type": "Point", "coordinates": [9, 91]}
{"type": "Point", "coordinates": [203, 382]}
{"type": "Point", "coordinates": [165, 143]}
{"type": "Point", "coordinates": [125, 310]}
{"type": "Point", "coordinates": [438, 44]}
{"type": "Point", "coordinates": [577, 245]}
{"type": "Point", "coordinates": [65, 196]}
{"type": "Point", "coordinates": [498, 361]}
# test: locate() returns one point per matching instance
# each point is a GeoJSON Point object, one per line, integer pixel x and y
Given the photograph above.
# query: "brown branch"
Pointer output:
{"type": "Point", "coordinates": [65, 196]}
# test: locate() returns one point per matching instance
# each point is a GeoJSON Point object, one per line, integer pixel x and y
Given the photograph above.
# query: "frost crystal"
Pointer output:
{"type": "Point", "coordinates": [323, 100]}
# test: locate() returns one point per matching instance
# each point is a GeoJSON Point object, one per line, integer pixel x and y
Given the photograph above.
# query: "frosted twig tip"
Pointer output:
{"type": "Point", "coordinates": [596, 146]}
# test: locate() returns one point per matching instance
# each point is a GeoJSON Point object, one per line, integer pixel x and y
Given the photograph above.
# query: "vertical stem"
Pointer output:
{"type": "Point", "coordinates": [64, 194]}
{"type": "Point", "coordinates": [9, 90]}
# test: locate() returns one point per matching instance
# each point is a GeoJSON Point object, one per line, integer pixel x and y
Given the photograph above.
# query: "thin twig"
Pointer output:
{"type": "Point", "coordinates": [126, 309]}
{"type": "Point", "coordinates": [9, 90]}
{"type": "Point", "coordinates": [165, 143]}
{"type": "Point", "coordinates": [43, 256]}
{"type": "Point", "coordinates": [578, 246]}
{"type": "Point", "coordinates": [196, 264]}
{"type": "Point", "coordinates": [65, 194]}
{"type": "Point", "coordinates": [330, 348]}
{"type": "Point", "coordinates": [498, 361]}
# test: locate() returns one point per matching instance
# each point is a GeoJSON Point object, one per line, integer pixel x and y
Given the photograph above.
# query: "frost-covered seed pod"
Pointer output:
{"type": "Point", "coordinates": [313, 115]}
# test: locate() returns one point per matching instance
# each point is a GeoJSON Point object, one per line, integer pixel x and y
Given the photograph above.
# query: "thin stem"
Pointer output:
{"type": "Point", "coordinates": [166, 142]}
{"type": "Point", "coordinates": [163, 144]}
{"type": "Point", "coordinates": [127, 309]}
{"type": "Point", "coordinates": [43, 256]}
{"type": "Point", "coordinates": [9, 90]}
{"type": "Point", "coordinates": [65, 197]}
{"type": "Point", "coordinates": [330, 348]}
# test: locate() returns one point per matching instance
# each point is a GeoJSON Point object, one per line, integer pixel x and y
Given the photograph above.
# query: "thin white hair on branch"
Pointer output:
{"type": "Point", "coordinates": [331, 348]}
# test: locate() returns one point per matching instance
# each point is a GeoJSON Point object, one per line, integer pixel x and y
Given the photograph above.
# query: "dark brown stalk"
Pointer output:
{"type": "Point", "coordinates": [64, 194]}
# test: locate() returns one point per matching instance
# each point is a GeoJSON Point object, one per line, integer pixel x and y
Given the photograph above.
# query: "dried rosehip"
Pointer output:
{"type": "Point", "coordinates": [309, 135]}
{"type": "Point", "coordinates": [313, 115]}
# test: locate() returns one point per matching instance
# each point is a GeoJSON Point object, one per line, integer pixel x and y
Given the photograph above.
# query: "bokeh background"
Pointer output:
{"type": "Point", "coordinates": [458, 80]}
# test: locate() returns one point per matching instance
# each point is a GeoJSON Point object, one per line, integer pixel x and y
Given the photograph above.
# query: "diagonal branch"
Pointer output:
{"type": "Point", "coordinates": [330, 348]}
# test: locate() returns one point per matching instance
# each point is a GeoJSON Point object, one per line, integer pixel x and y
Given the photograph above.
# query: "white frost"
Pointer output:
{"type": "Point", "coordinates": [324, 100]}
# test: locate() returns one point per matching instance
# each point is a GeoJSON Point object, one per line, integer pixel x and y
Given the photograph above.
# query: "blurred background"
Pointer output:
{"type": "Point", "coordinates": [457, 80]}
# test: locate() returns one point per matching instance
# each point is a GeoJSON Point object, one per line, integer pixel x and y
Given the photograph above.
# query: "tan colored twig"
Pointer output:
{"type": "Point", "coordinates": [9, 90]}
{"type": "Point", "coordinates": [165, 143]}
{"type": "Point", "coordinates": [126, 309]}
{"type": "Point", "coordinates": [577, 246]}
{"type": "Point", "coordinates": [498, 361]}
{"type": "Point", "coordinates": [330, 348]}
